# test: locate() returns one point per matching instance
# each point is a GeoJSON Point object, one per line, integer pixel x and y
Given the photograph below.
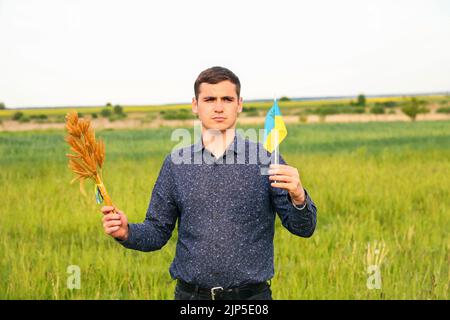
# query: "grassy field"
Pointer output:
{"type": "Point", "coordinates": [371, 182]}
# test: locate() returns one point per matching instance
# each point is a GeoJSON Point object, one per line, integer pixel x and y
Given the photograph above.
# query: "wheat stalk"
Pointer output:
{"type": "Point", "coordinates": [89, 154]}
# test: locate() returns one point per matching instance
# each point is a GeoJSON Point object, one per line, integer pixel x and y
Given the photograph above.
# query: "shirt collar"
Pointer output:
{"type": "Point", "coordinates": [237, 145]}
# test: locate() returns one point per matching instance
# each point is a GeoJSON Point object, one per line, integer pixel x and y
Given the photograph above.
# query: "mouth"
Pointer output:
{"type": "Point", "coordinates": [219, 119]}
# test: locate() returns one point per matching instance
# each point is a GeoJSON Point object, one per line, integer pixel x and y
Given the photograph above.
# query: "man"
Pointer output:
{"type": "Point", "coordinates": [225, 208]}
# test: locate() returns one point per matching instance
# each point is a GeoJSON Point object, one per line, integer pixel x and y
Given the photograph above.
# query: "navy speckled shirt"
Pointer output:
{"type": "Point", "coordinates": [226, 215]}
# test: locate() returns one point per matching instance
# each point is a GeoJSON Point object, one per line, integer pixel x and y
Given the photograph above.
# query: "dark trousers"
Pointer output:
{"type": "Point", "coordinates": [264, 293]}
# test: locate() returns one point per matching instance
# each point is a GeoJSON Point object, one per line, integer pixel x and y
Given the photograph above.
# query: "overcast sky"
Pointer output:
{"type": "Point", "coordinates": [60, 53]}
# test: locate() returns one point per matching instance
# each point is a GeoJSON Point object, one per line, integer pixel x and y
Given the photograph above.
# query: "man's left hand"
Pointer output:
{"type": "Point", "coordinates": [288, 178]}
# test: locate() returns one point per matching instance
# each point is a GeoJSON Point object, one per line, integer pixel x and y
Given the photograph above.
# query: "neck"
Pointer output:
{"type": "Point", "coordinates": [217, 141]}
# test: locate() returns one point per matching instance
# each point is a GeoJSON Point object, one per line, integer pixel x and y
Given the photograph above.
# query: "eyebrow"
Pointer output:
{"type": "Point", "coordinates": [215, 98]}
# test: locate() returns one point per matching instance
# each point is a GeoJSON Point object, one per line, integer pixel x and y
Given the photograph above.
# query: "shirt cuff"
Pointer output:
{"type": "Point", "coordinates": [129, 239]}
{"type": "Point", "coordinates": [299, 208]}
{"type": "Point", "coordinates": [296, 206]}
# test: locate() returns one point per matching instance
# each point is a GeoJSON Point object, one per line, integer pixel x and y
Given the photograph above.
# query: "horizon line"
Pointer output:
{"type": "Point", "coordinates": [308, 98]}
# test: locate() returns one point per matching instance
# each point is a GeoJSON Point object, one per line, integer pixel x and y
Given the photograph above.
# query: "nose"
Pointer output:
{"type": "Point", "coordinates": [218, 106]}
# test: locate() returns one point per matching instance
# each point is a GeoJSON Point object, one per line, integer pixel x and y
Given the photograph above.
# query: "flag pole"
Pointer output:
{"type": "Point", "coordinates": [276, 151]}
{"type": "Point", "coordinates": [275, 140]}
{"type": "Point", "coordinates": [275, 136]}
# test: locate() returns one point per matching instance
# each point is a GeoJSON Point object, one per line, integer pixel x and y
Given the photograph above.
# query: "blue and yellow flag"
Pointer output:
{"type": "Point", "coordinates": [274, 121]}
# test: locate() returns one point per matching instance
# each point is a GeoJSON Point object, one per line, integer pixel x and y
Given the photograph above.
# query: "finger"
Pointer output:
{"type": "Point", "coordinates": [281, 178]}
{"type": "Point", "coordinates": [111, 230]}
{"type": "Point", "coordinates": [119, 214]}
{"type": "Point", "coordinates": [111, 216]}
{"type": "Point", "coordinates": [107, 209]}
{"type": "Point", "coordinates": [282, 185]}
{"type": "Point", "coordinates": [123, 217]}
{"type": "Point", "coordinates": [112, 223]}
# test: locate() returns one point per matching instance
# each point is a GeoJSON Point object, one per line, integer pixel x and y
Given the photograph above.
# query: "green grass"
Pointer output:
{"type": "Point", "coordinates": [370, 181]}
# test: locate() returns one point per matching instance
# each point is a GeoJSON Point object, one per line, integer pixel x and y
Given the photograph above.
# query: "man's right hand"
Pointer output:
{"type": "Point", "coordinates": [115, 224]}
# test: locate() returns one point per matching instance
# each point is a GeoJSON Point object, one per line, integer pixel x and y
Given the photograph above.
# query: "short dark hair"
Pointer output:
{"type": "Point", "coordinates": [215, 75]}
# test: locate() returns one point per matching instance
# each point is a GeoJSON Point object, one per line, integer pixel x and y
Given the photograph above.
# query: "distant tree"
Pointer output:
{"type": "Point", "coordinates": [17, 115]}
{"type": "Point", "coordinates": [411, 111]}
{"type": "Point", "coordinates": [413, 108]}
{"type": "Point", "coordinates": [377, 109]}
{"type": "Point", "coordinates": [361, 100]}
{"type": "Point", "coordinates": [39, 117]}
{"type": "Point", "coordinates": [105, 113]}
{"type": "Point", "coordinates": [284, 98]}
{"type": "Point", "coordinates": [390, 104]}
{"type": "Point", "coordinates": [250, 111]}
{"type": "Point", "coordinates": [118, 109]}
{"type": "Point", "coordinates": [443, 110]}
{"type": "Point", "coordinates": [109, 104]}
{"type": "Point", "coordinates": [2, 106]}
{"type": "Point", "coordinates": [24, 118]}
{"type": "Point", "coordinates": [387, 104]}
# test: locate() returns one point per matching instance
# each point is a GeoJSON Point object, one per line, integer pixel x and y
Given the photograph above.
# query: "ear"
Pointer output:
{"type": "Point", "coordinates": [194, 106]}
{"type": "Point", "coordinates": [240, 104]}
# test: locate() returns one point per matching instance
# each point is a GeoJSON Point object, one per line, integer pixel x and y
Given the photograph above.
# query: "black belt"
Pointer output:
{"type": "Point", "coordinates": [242, 292]}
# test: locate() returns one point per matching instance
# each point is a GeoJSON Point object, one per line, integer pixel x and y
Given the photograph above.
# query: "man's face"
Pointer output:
{"type": "Point", "coordinates": [217, 105]}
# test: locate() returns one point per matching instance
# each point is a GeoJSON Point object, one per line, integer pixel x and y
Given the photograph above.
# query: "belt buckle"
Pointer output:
{"type": "Point", "coordinates": [213, 292]}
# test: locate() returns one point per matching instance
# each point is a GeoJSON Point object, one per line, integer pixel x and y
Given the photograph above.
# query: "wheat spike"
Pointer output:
{"type": "Point", "coordinates": [89, 153]}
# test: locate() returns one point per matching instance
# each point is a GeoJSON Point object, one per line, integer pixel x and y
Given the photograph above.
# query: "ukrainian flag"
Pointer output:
{"type": "Point", "coordinates": [274, 122]}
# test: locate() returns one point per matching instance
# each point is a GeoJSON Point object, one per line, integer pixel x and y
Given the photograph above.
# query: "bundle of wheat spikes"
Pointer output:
{"type": "Point", "coordinates": [89, 155]}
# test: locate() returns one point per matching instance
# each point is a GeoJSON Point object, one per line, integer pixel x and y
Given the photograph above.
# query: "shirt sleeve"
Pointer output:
{"type": "Point", "coordinates": [299, 221]}
{"type": "Point", "coordinates": [160, 218]}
